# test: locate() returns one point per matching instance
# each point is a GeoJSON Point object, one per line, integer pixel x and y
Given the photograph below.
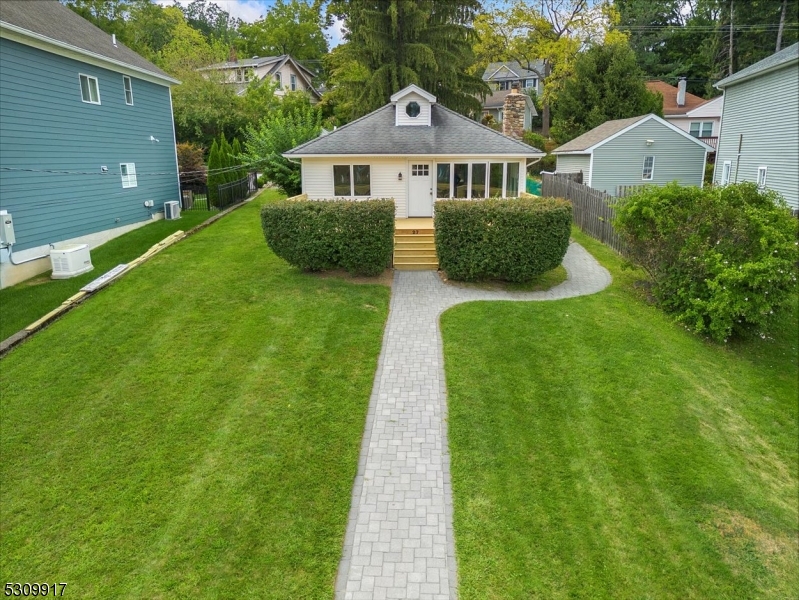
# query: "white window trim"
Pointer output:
{"type": "Point", "coordinates": [129, 179]}
{"type": "Point", "coordinates": [726, 171]}
{"type": "Point", "coordinates": [293, 81]}
{"type": "Point", "coordinates": [352, 179]}
{"type": "Point", "coordinates": [127, 85]}
{"type": "Point", "coordinates": [89, 78]}
{"type": "Point", "coordinates": [762, 169]}
{"type": "Point", "coordinates": [643, 169]}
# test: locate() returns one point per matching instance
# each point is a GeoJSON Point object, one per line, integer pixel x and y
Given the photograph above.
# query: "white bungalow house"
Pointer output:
{"type": "Point", "coordinates": [413, 150]}
{"type": "Point", "coordinates": [759, 139]}
{"type": "Point", "coordinates": [645, 150]}
{"type": "Point", "coordinates": [288, 74]}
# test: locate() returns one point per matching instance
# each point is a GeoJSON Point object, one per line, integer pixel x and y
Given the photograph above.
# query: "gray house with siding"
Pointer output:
{"type": "Point", "coordinates": [759, 140]}
{"type": "Point", "coordinates": [87, 146]}
{"type": "Point", "coordinates": [645, 150]}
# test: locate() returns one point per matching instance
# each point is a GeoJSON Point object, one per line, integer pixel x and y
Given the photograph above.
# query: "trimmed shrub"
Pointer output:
{"type": "Point", "coordinates": [722, 260]}
{"type": "Point", "coordinates": [512, 239]}
{"type": "Point", "coordinates": [317, 235]}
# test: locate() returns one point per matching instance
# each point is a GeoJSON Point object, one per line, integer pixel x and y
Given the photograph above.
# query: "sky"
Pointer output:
{"type": "Point", "coordinates": [252, 10]}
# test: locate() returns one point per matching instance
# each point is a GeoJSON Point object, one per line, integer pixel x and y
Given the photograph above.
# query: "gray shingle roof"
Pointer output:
{"type": "Point", "coordinates": [513, 66]}
{"type": "Point", "coordinates": [257, 61]}
{"type": "Point", "coordinates": [597, 134]}
{"type": "Point", "coordinates": [54, 20]}
{"type": "Point", "coordinates": [450, 134]}
{"type": "Point", "coordinates": [783, 57]}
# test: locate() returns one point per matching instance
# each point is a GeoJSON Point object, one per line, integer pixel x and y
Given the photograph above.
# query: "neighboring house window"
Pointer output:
{"type": "Point", "coordinates": [249, 74]}
{"type": "Point", "coordinates": [500, 114]}
{"type": "Point", "coordinates": [649, 168]}
{"type": "Point", "coordinates": [531, 83]}
{"type": "Point", "coordinates": [725, 172]}
{"type": "Point", "coordinates": [128, 90]}
{"type": "Point", "coordinates": [128, 171]}
{"type": "Point", "coordinates": [503, 85]}
{"type": "Point", "coordinates": [703, 129]}
{"type": "Point", "coordinates": [89, 89]}
{"type": "Point", "coordinates": [761, 176]}
{"type": "Point", "coordinates": [352, 180]}
{"type": "Point", "coordinates": [293, 83]}
{"type": "Point", "coordinates": [279, 79]}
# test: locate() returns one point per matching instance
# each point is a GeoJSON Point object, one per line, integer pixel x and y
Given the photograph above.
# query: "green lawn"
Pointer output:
{"type": "Point", "coordinates": [601, 451]}
{"type": "Point", "coordinates": [193, 430]}
{"type": "Point", "coordinates": [30, 300]}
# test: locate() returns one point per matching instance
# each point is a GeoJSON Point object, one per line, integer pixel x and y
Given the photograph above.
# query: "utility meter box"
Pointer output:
{"type": "Point", "coordinates": [7, 236]}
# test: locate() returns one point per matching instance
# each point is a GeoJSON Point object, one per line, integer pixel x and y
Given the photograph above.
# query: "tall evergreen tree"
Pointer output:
{"type": "Point", "coordinates": [214, 178]}
{"type": "Point", "coordinates": [607, 84]}
{"type": "Point", "coordinates": [391, 44]}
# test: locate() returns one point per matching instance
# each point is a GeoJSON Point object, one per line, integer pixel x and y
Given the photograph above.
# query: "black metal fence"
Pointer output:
{"type": "Point", "coordinates": [195, 194]}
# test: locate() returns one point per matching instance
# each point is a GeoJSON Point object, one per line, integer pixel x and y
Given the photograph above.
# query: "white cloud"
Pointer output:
{"type": "Point", "coordinates": [335, 33]}
{"type": "Point", "coordinates": [246, 10]}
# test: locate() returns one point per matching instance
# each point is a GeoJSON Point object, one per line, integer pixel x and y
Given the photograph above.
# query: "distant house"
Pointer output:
{"type": "Point", "coordinates": [87, 142]}
{"type": "Point", "coordinates": [697, 116]}
{"type": "Point", "coordinates": [494, 105]}
{"type": "Point", "coordinates": [502, 77]}
{"type": "Point", "coordinates": [645, 150]}
{"type": "Point", "coordinates": [289, 74]}
{"type": "Point", "coordinates": [413, 150]}
{"type": "Point", "coordinates": [759, 139]}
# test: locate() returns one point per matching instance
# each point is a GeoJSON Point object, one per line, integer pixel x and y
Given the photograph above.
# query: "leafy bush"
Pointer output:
{"type": "Point", "coordinates": [276, 134]}
{"type": "Point", "coordinates": [190, 163]}
{"type": "Point", "coordinates": [316, 235]}
{"type": "Point", "coordinates": [514, 239]}
{"type": "Point", "coordinates": [536, 140]}
{"type": "Point", "coordinates": [722, 260]}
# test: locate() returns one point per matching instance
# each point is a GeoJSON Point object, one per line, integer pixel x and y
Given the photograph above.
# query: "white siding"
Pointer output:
{"type": "Point", "coordinates": [621, 160]}
{"type": "Point", "coordinates": [317, 178]}
{"type": "Point", "coordinates": [684, 123]}
{"type": "Point", "coordinates": [574, 163]}
{"type": "Point", "coordinates": [765, 111]}
{"type": "Point", "coordinates": [317, 175]}
{"type": "Point", "coordinates": [711, 108]}
{"type": "Point", "coordinates": [424, 110]}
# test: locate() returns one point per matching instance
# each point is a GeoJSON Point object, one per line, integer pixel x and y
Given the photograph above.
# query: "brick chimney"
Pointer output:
{"type": "Point", "coordinates": [681, 92]}
{"type": "Point", "coordinates": [513, 114]}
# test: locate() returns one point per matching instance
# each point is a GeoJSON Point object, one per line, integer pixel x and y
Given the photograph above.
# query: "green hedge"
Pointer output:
{"type": "Point", "coordinates": [316, 235]}
{"type": "Point", "coordinates": [513, 239]}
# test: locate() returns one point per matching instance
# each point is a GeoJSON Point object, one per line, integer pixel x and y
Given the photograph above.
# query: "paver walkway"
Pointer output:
{"type": "Point", "coordinates": [399, 540]}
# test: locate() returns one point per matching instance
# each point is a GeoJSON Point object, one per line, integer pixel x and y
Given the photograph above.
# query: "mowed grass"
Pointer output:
{"type": "Point", "coordinates": [30, 300]}
{"type": "Point", "coordinates": [193, 430]}
{"type": "Point", "coordinates": [601, 451]}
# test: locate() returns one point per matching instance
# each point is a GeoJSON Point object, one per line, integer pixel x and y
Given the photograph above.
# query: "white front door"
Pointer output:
{"type": "Point", "coordinates": [420, 190]}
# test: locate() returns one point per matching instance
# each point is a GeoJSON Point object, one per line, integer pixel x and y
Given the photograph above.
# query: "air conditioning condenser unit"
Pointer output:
{"type": "Point", "coordinates": [172, 210]}
{"type": "Point", "coordinates": [70, 261]}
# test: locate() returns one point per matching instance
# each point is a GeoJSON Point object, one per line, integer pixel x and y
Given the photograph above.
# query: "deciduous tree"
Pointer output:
{"type": "Point", "coordinates": [290, 27]}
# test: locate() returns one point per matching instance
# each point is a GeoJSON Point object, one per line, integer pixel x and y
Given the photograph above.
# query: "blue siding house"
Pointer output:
{"type": "Point", "coordinates": [87, 142]}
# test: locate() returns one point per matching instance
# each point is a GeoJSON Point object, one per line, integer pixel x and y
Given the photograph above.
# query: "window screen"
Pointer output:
{"type": "Point", "coordinates": [478, 180]}
{"type": "Point", "coordinates": [362, 178]}
{"type": "Point", "coordinates": [495, 180]}
{"type": "Point", "coordinates": [342, 184]}
{"type": "Point", "coordinates": [512, 180]}
{"type": "Point", "coordinates": [461, 180]}
{"type": "Point", "coordinates": [442, 181]}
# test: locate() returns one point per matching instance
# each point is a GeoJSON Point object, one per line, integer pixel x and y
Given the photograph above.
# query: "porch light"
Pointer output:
{"type": "Point", "coordinates": [399, 176]}
{"type": "Point", "coordinates": [650, 142]}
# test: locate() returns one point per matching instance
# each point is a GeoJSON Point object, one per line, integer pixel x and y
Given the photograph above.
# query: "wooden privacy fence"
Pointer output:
{"type": "Point", "coordinates": [592, 211]}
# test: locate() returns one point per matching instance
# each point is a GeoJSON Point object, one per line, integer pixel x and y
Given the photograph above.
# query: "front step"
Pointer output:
{"type": "Point", "coordinates": [415, 250]}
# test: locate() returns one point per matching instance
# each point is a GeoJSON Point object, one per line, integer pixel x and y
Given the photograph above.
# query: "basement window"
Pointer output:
{"type": "Point", "coordinates": [89, 89]}
{"type": "Point", "coordinates": [128, 172]}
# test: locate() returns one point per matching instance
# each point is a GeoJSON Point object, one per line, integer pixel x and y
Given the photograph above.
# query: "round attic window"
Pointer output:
{"type": "Point", "coordinates": [412, 109]}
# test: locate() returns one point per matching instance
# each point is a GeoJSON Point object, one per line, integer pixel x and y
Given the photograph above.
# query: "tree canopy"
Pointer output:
{"type": "Point", "coordinates": [389, 45]}
{"type": "Point", "coordinates": [607, 85]}
{"type": "Point", "coordinates": [290, 27]}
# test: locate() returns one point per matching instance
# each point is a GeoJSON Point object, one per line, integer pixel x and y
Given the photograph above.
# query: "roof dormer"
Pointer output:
{"type": "Point", "coordinates": [413, 106]}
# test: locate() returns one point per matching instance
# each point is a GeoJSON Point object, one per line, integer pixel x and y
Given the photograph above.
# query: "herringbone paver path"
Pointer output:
{"type": "Point", "coordinates": [399, 540]}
